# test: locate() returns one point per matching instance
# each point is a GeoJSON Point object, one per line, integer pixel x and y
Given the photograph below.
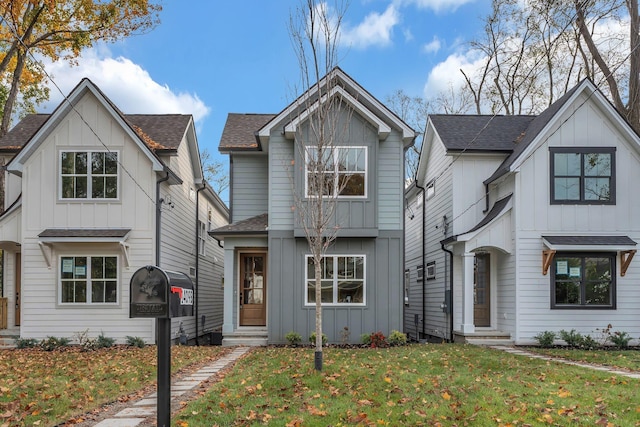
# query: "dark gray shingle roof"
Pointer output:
{"type": "Point", "coordinates": [590, 240]}
{"type": "Point", "coordinates": [85, 232]}
{"type": "Point", "coordinates": [239, 131]}
{"type": "Point", "coordinates": [480, 132]}
{"type": "Point", "coordinates": [254, 225]}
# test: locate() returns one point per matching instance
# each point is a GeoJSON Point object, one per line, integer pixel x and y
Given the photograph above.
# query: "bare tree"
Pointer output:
{"type": "Point", "coordinates": [315, 30]}
{"type": "Point", "coordinates": [214, 172]}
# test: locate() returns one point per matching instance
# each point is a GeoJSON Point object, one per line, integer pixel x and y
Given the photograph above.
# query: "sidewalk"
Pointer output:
{"type": "Point", "coordinates": [525, 353]}
{"type": "Point", "coordinates": [142, 409]}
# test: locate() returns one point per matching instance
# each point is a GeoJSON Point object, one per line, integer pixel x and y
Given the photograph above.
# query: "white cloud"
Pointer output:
{"type": "Point", "coordinates": [433, 46]}
{"type": "Point", "coordinates": [447, 75]}
{"type": "Point", "coordinates": [375, 30]}
{"type": "Point", "coordinates": [127, 84]}
{"type": "Point", "coordinates": [436, 5]}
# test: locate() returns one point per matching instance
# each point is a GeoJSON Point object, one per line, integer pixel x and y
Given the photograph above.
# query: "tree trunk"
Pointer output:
{"type": "Point", "coordinates": [318, 354]}
{"type": "Point", "coordinates": [633, 106]}
{"type": "Point", "coordinates": [13, 93]}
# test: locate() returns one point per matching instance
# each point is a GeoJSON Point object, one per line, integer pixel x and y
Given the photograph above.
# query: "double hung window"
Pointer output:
{"type": "Point", "coordinates": [88, 279]}
{"type": "Point", "coordinates": [583, 280]}
{"type": "Point", "coordinates": [583, 175]}
{"type": "Point", "coordinates": [88, 175]}
{"type": "Point", "coordinates": [342, 280]}
{"type": "Point", "coordinates": [336, 171]}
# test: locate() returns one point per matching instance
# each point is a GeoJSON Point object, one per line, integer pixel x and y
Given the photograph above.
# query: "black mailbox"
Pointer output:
{"type": "Point", "coordinates": [158, 293]}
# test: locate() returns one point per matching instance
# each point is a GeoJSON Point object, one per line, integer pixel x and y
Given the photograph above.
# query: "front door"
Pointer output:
{"type": "Point", "coordinates": [481, 291]}
{"type": "Point", "coordinates": [18, 287]}
{"type": "Point", "coordinates": [253, 289]}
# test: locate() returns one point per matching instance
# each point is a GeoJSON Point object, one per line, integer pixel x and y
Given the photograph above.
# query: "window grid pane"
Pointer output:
{"type": "Point", "coordinates": [342, 280]}
{"type": "Point", "coordinates": [583, 281]}
{"type": "Point", "coordinates": [84, 276]}
{"type": "Point", "coordinates": [79, 180]}
{"type": "Point", "coordinates": [583, 176]}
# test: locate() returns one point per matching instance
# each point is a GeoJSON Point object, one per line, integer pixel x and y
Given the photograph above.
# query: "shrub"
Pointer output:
{"type": "Point", "coordinates": [545, 339]}
{"type": "Point", "coordinates": [293, 338]}
{"type": "Point", "coordinates": [378, 340]}
{"type": "Point", "coordinates": [135, 341]}
{"type": "Point", "coordinates": [588, 343]}
{"type": "Point", "coordinates": [397, 338]}
{"type": "Point", "coordinates": [572, 338]}
{"type": "Point", "coordinates": [26, 342]}
{"type": "Point", "coordinates": [104, 342]}
{"type": "Point", "coordinates": [620, 339]}
{"type": "Point", "coordinates": [312, 338]}
{"type": "Point", "coordinates": [344, 335]}
{"type": "Point", "coordinates": [52, 343]}
{"type": "Point", "coordinates": [365, 339]}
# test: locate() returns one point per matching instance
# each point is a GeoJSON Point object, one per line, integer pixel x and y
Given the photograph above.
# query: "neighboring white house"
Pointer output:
{"type": "Point", "coordinates": [92, 195]}
{"type": "Point", "coordinates": [523, 224]}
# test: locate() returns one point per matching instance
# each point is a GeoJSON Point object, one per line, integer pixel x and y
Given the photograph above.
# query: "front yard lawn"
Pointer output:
{"type": "Point", "coordinates": [418, 385]}
{"type": "Point", "coordinates": [45, 388]}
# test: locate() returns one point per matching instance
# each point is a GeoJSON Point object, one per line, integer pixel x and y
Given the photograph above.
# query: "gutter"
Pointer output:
{"type": "Point", "coordinates": [195, 297]}
{"type": "Point", "coordinates": [424, 257]}
{"type": "Point", "coordinates": [451, 288]}
{"type": "Point", "coordinates": [158, 211]}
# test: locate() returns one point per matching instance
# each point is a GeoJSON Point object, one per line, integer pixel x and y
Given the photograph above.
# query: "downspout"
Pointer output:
{"type": "Point", "coordinates": [195, 296]}
{"type": "Point", "coordinates": [424, 257]}
{"type": "Point", "coordinates": [158, 210]}
{"type": "Point", "coordinates": [451, 288]}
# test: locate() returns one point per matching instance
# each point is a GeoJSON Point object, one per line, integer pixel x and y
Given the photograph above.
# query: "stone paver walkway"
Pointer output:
{"type": "Point", "coordinates": [147, 407]}
{"type": "Point", "coordinates": [525, 353]}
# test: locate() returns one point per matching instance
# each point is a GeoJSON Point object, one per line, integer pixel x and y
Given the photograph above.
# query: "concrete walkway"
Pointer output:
{"type": "Point", "coordinates": [525, 353]}
{"type": "Point", "coordinates": [146, 407]}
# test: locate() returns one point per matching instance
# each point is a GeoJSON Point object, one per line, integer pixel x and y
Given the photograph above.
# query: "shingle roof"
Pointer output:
{"type": "Point", "coordinates": [85, 232]}
{"type": "Point", "coordinates": [240, 131]}
{"type": "Point", "coordinates": [158, 131]}
{"type": "Point", "coordinates": [498, 206]}
{"type": "Point", "coordinates": [590, 240]}
{"type": "Point", "coordinates": [254, 225]}
{"type": "Point", "coordinates": [480, 132]}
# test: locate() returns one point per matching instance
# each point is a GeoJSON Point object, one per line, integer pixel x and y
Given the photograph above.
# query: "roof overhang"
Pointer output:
{"type": "Point", "coordinates": [589, 243]}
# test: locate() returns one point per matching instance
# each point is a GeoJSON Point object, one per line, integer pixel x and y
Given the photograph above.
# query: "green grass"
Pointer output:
{"type": "Point", "coordinates": [418, 385]}
{"type": "Point", "coordinates": [46, 388]}
{"type": "Point", "coordinates": [621, 359]}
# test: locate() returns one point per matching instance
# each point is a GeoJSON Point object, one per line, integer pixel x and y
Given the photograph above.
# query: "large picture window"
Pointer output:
{"type": "Point", "coordinates": [583, 280]}
{"type": "Point", "coordinates": [88, 279]}
{"type": "Point", "coordinates": [340, 171]}
{"type": "Point", "coordinates": [342, 280]}
{"type": "Point", "coordinates": [88, 175]}
{"type": "Point", "coordinates": [583, 175]}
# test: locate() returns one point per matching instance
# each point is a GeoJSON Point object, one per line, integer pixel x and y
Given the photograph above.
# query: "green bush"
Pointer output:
{"type": "Point", "coordinates": [104, 342]}
{"type": "Point", "coordinates": [620, 339]}
{"type": "Point", "coordinates": [26, 342]}
{"type": "Point", "coordinates": [135, 341]}
{"type": "Point", "coordinates": [577, 340]}
{"type": "Point", "coordinates": [365, 339]}
{"type": "Point", "coordinates": [293, 338]}
{"type": "Point", "coordinates": [312, 338]}
{"type": "Point", "coordinates": [545, 339]}
{"type": "Point", "coordinates": [52, 343]}
{"type": "Point", "coordinates": [397, 338]}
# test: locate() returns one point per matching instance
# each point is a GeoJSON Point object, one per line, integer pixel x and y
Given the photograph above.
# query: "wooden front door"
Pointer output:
{"type": "Point", "coordinates": [18, 287]}
{"type": "Point", "coordinates": [253, 289]}
{"type": "Point", "coordinates": [481, 291]}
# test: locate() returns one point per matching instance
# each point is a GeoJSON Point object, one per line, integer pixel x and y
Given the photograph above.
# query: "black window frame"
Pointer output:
{"type": "Point", "coordinates": [582, 151]}
{"type": "Point", "coordinates": [583, 306]}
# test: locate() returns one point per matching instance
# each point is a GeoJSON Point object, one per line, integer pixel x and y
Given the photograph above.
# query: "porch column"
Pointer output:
{"type": "Point", "coordinates": [467, 293]}
{"type": "Point", "coordinates": [229, 287]}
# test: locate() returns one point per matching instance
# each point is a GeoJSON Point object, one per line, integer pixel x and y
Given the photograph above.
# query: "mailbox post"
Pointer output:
{"type": "Point", "coordinates": [160, 294]}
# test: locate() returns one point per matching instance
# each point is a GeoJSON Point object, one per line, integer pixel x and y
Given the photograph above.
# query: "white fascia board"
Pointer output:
{"type": "Point", "coordinates": [383, 129]}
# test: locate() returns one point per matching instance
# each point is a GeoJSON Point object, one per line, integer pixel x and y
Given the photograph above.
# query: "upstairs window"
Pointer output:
{"type": "Point", "coordinates": [583, 176]}
{"type": "Point", "coordinates": [336, 171]}
{"type": "Point", "coordinates": [88, 175]}
{"type": "Point", "coordinates": [202, 238]}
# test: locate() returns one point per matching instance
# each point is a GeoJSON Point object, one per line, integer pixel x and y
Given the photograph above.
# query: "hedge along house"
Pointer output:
{"type": "Point", "coordinates": [268, 269]}
{"type": "Point", "coordinates": [92, 195]}
{"type": "Point", "coordinates": [522, 224]}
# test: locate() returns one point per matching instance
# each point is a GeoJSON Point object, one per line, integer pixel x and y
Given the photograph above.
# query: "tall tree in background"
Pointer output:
{"type": "Point", "coordinates": [56, 29]}
{"type": "Point", "coordinates": [214, 172]}
{"type": "Point", "coordinates": [535, 51]}
{"type": "Point", "coordinates": [315, 30]}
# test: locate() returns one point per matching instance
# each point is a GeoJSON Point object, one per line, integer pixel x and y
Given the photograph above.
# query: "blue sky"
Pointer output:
{"type": "Point", "coordinates": [210, 58]}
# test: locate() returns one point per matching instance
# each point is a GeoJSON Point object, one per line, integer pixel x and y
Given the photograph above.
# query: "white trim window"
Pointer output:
{"type": "Point", "coordinates": [202, 238]}
{"type": "Point", "coordinates": [88, 279]}
{"type": "Point", "coordinates": [341, 171]}
{"type": "Point", "coordinates": [342, 282]}
{"type": "Point", "coordinates": [88, 175]}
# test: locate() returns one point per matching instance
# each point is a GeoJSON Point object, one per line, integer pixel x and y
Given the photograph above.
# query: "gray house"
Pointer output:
{"type": "Point", "coordinates": [267, 275]}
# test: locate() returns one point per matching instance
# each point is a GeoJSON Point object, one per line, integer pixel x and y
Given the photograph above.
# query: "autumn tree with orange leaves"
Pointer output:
{"type": "Point", "coordinates": [57, 29]}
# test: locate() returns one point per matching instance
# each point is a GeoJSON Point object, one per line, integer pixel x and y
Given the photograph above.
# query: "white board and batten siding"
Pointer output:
{"type": "Point", "coordinates": [41, 314]}
{"type": "Point", "coordinates": [585, 127]}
